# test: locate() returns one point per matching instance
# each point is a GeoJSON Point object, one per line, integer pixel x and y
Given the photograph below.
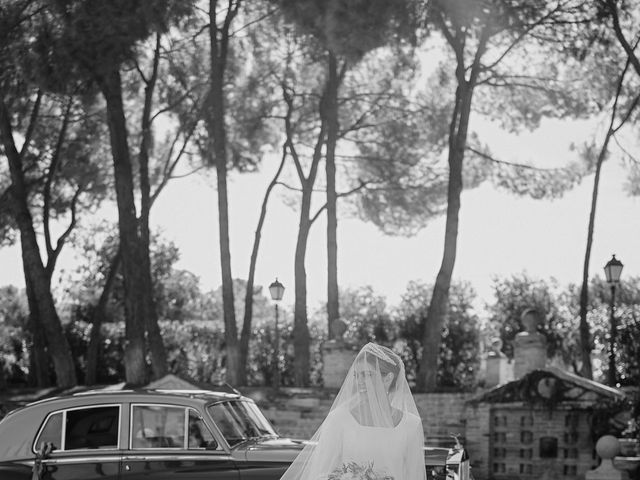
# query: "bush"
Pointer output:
{"type": "Point", "coordinates": [14, 357]}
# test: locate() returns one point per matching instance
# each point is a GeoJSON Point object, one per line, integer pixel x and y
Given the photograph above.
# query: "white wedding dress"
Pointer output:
{"type": "Point", "coordinates": [392, 452]}
{"type": "Point", "coordinates": [373, 430]}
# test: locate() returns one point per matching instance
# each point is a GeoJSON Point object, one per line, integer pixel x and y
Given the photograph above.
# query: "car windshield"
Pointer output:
{"type": "Point", "coordinates": [240, 420]}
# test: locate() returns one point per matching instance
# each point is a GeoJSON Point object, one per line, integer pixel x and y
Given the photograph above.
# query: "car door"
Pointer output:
{"type": "Point", "coordinates": [80, 443]}
{"type": "Point", "coordinates": [172, 442]}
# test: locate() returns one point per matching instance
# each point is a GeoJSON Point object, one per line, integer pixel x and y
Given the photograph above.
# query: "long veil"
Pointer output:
{"type": "Point", "coordinates": [375, 393]}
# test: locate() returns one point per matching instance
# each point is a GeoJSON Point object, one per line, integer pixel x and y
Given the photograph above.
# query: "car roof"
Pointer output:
{"type": "Point", "coordinates": [93, 397]}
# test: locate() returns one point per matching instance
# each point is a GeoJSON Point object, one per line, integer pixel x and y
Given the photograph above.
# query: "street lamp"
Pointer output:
{"type": "Point", "coordinates": [612, 271]}
{"type": "Point", "coordinates": [276, 289]}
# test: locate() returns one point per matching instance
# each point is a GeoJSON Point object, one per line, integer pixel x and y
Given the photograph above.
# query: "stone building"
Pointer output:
{"type": "Point", "coordinates": [539, 426]}
{"type": "Point", "coordinates": [537, 421]}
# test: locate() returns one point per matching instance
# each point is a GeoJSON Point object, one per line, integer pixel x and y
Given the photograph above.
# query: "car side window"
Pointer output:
{"type": "Point", "coordinates": [157, 426]}
{"type": "Point", "coordinates": [81, 428]}
{"type": "Point", "coordinates": [199, 435]}
{"type": "Point", "coordinates": [95, 427]}
{"type": "Point", "coordinates": [239, 420]}
{"type": "Point", "coordinates": [226, 423]}
{"type": "Point", "coordinates": [51, 432]}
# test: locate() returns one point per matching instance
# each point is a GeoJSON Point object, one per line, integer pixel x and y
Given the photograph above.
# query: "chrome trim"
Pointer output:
{"type": "Point", "coordinates": [185, 442]}
{"type": "Point", "coordinates": [165, 458]}
{"type": "Point", "coordinates": [88, 459]}
{"type": "Point", "coordinates": [63, 433]}
{"type": "Point", "coordinates": [131, 458]}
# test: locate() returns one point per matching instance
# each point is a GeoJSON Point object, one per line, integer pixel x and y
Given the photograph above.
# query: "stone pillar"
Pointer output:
{"type": "Point", "coordinates": [337, 357]}
{"type": "Point", "coordinates": [607, 447]}
{"type": "Point", "coordinates": [499, 369]}
{"type": "Point", "coordinates": [530, 346]}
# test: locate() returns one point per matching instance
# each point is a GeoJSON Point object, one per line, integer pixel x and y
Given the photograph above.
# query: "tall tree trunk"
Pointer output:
{"type": "Point", "coordinates": [157, 350]}
{"type": "Point", "coordinates": [99, 315]}
{"type": "Point", "coordinates": [248, 299]}
{"type": "Point", "coordinates": [331, 115]}
{"type": "Point", "coordinates": [133, 275]}
{"type": "Point", "coordinates": [301, 337]}
{"type": "Point", "coordinates": [154, 337]}
{"type": "Point", "coordinates": [217, 133]}
{"type": "Point", "coordinates": [34, 269]}
{"type": "Point", "coordinates": [3, 378]}
{"type": "Point", "coordinates": [431, 340]}
{"type": "Point", "coordinates": [458, 131]}
{"type": "Point", "coordinates": [585, 334]}
{"type": "Point", "coordinates": [39, 370]}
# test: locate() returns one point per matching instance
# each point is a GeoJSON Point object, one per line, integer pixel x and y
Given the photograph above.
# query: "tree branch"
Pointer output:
{"type": "Point", "coordinates": [32, 123]}
{"type": "Point", "coordinates": [613, 9]}
{"type": "Point", "coordinates": [486, 156]}
{"type": "Point", "coordinates": [53, 256]}
{"type": "Point", "coordinates": [51, 173]}
{"type": "Point", "coordinates": [338, 195]}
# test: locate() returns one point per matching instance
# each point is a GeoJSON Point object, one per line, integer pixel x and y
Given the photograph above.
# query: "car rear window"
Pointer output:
{"type": "Point", "coordinates": [51, 432]}
{"type": "Point", "coordinates": [84, 428]}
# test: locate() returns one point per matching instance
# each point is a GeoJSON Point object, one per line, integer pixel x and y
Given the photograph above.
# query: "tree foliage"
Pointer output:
{"type": "Point", "coordinates": [350, 28]}
{"type": "Point", "coordinates": [177, 292]}
{"type": "Point", "coordinates": [518, 293]}
{"type": "Point", "coordinates": [458, 358]}
{"type": "Point", "coordinates": [559, 307]}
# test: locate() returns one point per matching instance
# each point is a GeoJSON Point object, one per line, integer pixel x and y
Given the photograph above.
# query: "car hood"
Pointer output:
{"type": "Point", "coordinates": [272, 449]}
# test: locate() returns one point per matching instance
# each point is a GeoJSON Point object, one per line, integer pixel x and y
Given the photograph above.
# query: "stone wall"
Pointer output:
{"type": "Point", "coordinates": [299, 412]}
{"type": "Point", "coordinates": [336, 361]}
{"type": "Point", "coordinates": [478, 418]}
{"type": "Point", "coordinates": [443, 415]}
{"type": "Point", "coordinates": [294, 412]}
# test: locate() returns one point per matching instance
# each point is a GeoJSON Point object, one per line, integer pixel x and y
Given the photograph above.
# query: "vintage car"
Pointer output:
{"type": "Point", "coordinates": [153, 435]}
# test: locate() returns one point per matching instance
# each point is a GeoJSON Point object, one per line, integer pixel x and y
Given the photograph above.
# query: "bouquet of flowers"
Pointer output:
{"type": "Point", "coordinates": [354, 471]}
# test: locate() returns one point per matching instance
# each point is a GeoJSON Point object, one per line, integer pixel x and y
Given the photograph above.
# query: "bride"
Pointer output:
{"type": "Point", "coordinates": [373, 430]}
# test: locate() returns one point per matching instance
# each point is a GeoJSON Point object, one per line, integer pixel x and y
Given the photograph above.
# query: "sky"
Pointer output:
{"type": "Point", "coordinates": [500, 234]}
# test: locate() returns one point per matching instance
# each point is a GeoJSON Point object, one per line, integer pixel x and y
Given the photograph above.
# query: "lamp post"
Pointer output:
{"type": "Point", "coordinates": [612, 271]}
{"type": "Point", "coordinates": [276, 289]}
